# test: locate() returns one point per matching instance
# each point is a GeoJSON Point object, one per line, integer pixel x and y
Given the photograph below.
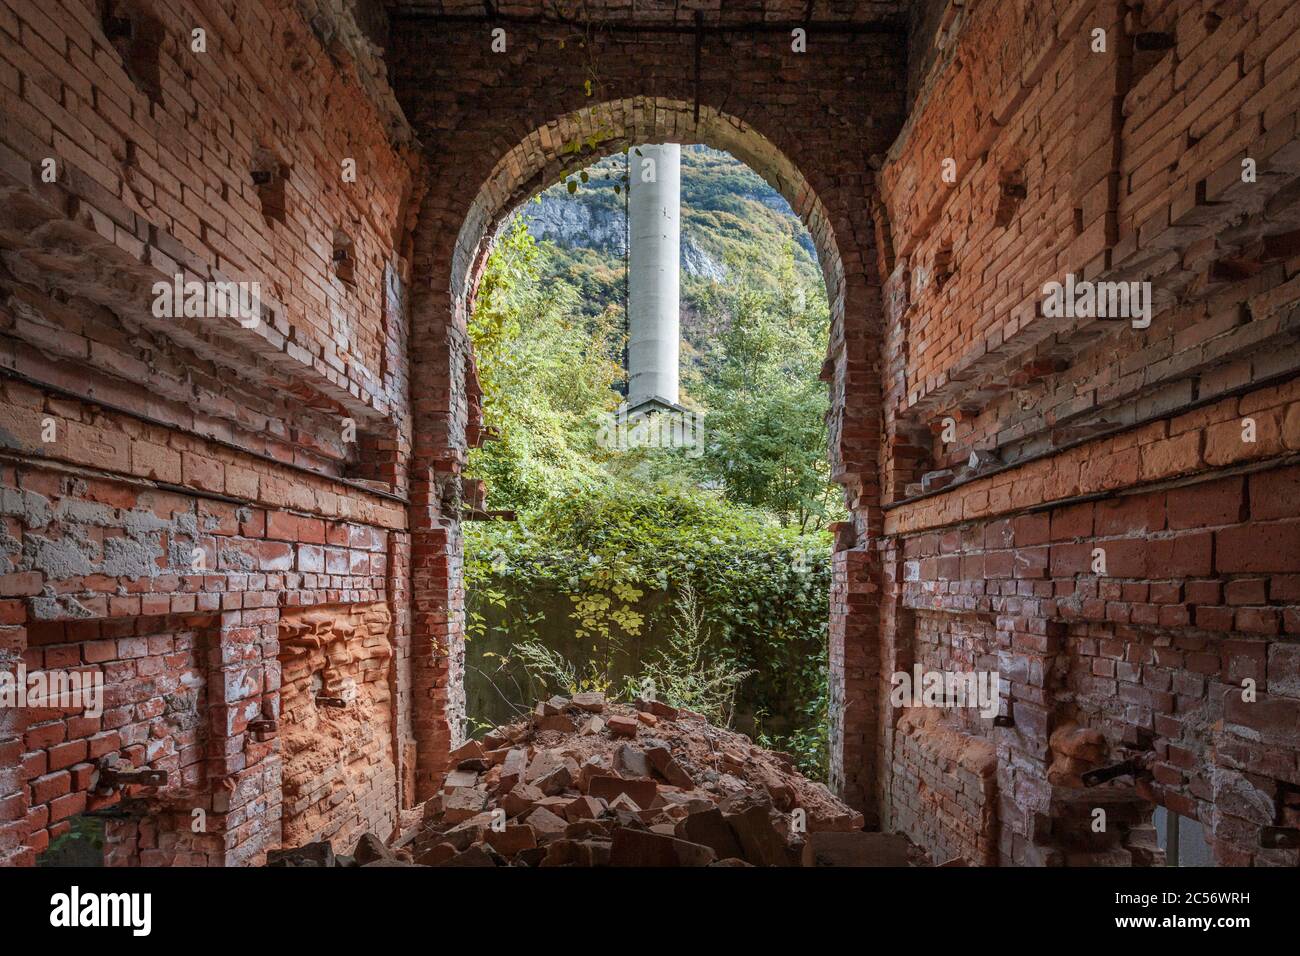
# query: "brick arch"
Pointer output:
{"type": "Point", "coordinates": [544, 156]}
{"type": "Point", "coordinates": [810, 127]}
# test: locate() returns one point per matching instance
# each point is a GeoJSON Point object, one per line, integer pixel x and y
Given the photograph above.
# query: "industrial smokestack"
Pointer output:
{"type": "Point", "coordinates": [654, 254]}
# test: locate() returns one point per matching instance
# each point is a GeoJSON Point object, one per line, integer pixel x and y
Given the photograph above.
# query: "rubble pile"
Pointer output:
{"type": "Point", "coordinates": [585, 782]}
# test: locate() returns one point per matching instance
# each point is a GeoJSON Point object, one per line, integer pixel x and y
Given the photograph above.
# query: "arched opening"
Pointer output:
{"type": "Point", "coordinates": [443, 358]}
{"type": "Point", "coordinates": [682, 551]}
{"type": "Point", "coordinates": [548, 153]}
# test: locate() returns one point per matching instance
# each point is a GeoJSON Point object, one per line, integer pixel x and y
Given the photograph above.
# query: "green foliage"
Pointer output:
{"type": "Point", "coordinates": [688, 672]}
{"type": "Point", "coordinates": [596, 280]}
{"type": "Point", "coordinates": [730, 214]}
{"type": "Point", "coordinates": [81, 845]}
{"type": "Point", "coordinates": [708, 577]}
{"type": "Point", "coordinates": [767, 407]}
{"type": "Point", "coordinates": [549, 670]}
{"type": "Point", "coordinates": [617, 562]}
{"type": "Point", "coordinates": [545, 377]}
{"type": "Point", "coordinates": [809, 743]}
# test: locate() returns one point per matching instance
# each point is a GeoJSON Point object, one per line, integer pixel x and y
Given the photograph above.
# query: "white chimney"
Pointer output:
{"type": "Point", "coordinates": [654, 255]}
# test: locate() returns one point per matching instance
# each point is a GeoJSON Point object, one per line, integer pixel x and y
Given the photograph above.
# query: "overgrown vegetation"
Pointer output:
{"type": "Point", "coordinates": [686, 672]}
{"type": "Point", "coordinates": [545, 371]}
{"type": "Point", "coordinates": [596, 579]}
{"type": "Point", "coordinates": [766, 404]}
{"type": "Point", "coordinates": [706, 576]}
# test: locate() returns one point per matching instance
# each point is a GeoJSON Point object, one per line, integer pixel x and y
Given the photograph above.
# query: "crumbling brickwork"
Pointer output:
{"type": "Point", "coordinates": [148, 666]}
{"type": "Point", "coordinates": [757, 99]}
{"type": "Point", "coordinates": [172, 479]}
{"type": "Point", "coordinates": [943, 790]}
{"type": "Point", "coordinates": [340, 775]}
{"type": "Point", "coordinates": [1121, 546]}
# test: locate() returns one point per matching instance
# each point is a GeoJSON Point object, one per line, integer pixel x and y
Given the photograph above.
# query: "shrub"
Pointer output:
{"type": "Point", "coordinates": [602, 581]}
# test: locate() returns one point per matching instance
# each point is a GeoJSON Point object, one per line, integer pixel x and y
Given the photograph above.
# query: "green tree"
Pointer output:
{"type": "Point", "coordinates": [547, 374]}
{"type": "Point", "coordinates": [766, 407]}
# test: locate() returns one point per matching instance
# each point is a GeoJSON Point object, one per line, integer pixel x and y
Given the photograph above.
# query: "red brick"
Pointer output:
{"type": "Point", "coordinates": [67, 806]}
{"type": "Point", "coordinates": [53, 785]}
{"type": "Point", "coordinates": [1185, 555]}
{"type": "Point", "coordinates": [1207, 504]}
{"type": "Point", "coordinates": [1130, 514]}
{"type": "Point", "coordinates": [38, 842]}
{"type": "Point", "coordinates": [1258, 547]}
{"type": "Point", "coordinates": [1072, 522]}
{"type": "Point", "coordinates": [281, 526]}
{"type": "Point", "coordinates": [1163, 592]}
{"type": "Point", "coordinates": [1246, 591]}
{"type": "Point", "coordinates": [1258, 620]}
{"type": "Point", "coordinates": [40, 738]}
{"type": "Point", "coordinates": [1031, 562]}
{"type": "Point", "coordinates": [21, 584]}
{"type": "Point", "coordinates": [205, 473]}
{"type": "Point", "coordinates": [1214, 618]}
{"type": "Point", "coordinates": [1285, 588]}
{"type": "Point", "coordinates": [1174, 615]}
{"type": "Point", "coordinates": [103, 743]}
{"type": "Point", "coordinates": [83, 775]}
{"type": "Point", "coordinates": [1032, 529]}
{"type": "Point", "coordinates": [65, 755]}
{"type": "Point", "coordinates": [1273, 494]}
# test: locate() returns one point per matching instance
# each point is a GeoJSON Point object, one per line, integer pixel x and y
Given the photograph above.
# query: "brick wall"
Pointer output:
{"type": "Point", "coordinates": [153, 712]}
{"type": "Point", "coordinates": [176, 599]}
{"type": "Point", "coordinates": [157, 176]}
{"type": "Point", "coordinates": [229, 164]}
{"type": "Point", "coordinates": [1167, 450]}
{"type": "Point", "coordinates": [172, 482]}
{"type": "Point", "coordinates": [944, 790]}
{"type": "Point", "coordinates": [340, 771]}
{"type": "Point", "coordinates": [809, 123]}
{"type": "Point", "coordinates": [193, 482]}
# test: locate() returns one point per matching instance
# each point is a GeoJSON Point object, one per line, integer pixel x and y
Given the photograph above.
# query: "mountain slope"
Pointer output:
{"type": "Point", "coordinates": [731, 218]}
{"type": "Point", "coordinates": [728, 213]}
